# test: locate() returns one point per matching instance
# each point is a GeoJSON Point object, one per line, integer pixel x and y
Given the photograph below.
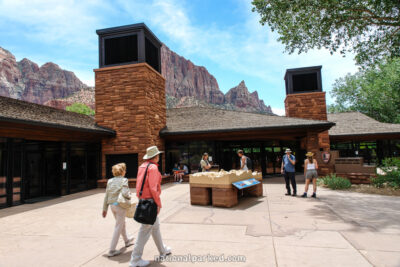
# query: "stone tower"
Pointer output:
{"type": "Point", "coordinates": [305, 99]}
{"type": "Point", "coordinates": [130, 95]}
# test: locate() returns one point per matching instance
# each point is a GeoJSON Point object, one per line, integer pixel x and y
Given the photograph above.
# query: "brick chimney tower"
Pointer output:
{"type": "Point", "coordinates": [130, 95]}
{"type": "Point", "coordinates": [305, 99]}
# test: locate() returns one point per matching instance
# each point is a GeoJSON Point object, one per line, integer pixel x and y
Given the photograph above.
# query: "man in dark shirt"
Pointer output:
{"type": "Point", "coordinates": [288, 170]}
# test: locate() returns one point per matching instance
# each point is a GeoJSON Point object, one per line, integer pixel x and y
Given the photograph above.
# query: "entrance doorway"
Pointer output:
{"type": "Point", "coordinates": [33, 179]}
{"type": "Point", "coordinates": [42, 174]}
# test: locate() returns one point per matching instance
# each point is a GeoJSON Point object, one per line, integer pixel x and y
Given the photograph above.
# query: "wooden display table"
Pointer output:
{"type": "Point", "coordinates": [219, 191]}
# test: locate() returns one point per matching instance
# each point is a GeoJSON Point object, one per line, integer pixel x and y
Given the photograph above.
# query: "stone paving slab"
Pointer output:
{"type": "Point", "coordinates": [337, 229]}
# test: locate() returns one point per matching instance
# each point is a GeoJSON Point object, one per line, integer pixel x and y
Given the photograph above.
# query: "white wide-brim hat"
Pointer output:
{"type": "Point", "coordinates": [151, 152]}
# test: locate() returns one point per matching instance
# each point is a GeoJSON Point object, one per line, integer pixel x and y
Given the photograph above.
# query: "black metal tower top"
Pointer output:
{"type": "Point", "coordinates": [129, 44]}
{"type": "Point", "coordinates": [303, 80]}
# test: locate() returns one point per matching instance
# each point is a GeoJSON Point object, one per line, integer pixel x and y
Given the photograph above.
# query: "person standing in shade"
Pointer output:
{"type": "Point", "coordinates": [204, 163]}
{"type": "Point", "coordinates": [288, 170]}
{"type": "Point", "coordinates": [310, 172]}
{"type": "Point", "coordinates": [151, 190]}
{"type": "Point", "coordinates": [243, 160]}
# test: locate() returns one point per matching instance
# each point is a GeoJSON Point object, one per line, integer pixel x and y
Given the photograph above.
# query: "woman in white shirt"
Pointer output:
{"type": "Point", "coordinates": [243, 160]}
{"type": "Point", "coordinates": [116, 185]}
{"type": "Point", "coordinates": [310, 172]}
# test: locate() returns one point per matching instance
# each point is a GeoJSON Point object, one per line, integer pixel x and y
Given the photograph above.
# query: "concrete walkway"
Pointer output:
{"type": "Point", "coordinates": [337, 229]}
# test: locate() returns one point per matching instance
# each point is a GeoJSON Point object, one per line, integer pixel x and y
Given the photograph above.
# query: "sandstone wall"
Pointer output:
{"type": "Point", "coordinates": [311, 106]}
{"type": "Point", "coordinates": [130, 99]}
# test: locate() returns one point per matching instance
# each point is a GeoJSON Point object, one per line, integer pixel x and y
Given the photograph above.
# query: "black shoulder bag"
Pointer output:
{"type": "Point", "coordinates": [146, 209]}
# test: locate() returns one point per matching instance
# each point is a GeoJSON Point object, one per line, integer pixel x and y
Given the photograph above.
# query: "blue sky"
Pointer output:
{"type": "Point", "coordinates": [222, 35]}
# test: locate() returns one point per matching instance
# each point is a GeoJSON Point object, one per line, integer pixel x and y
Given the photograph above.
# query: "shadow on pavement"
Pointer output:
{"type": "Point", "coordinates": [361, 211]}
{"type": "Point", "coordinates": [46, 203]}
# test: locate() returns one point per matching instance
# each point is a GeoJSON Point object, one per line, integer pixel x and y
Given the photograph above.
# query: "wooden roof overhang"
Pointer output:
{"type": "Point", "coordinates": [42, 131]}
{"type": "Point", "coordinates": [292, 132]}
{"type": "Point", "coordinates": [364, 137]}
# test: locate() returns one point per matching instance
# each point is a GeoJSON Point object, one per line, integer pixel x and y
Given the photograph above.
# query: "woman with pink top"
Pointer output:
{"type": "Point", "coordinates": [151, 190]}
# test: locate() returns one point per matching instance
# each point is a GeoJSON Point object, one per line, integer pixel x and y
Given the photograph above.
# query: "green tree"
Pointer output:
{"type": "Point", "coordinates": [80, 108]}
{"type": "Point", "coordinates": [374, 91]}
{"type": "Point", "coordinates": [368, 28]}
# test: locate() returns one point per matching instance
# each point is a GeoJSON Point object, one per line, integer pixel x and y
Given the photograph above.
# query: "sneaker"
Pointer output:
{"type": "Point", "coordinates": [167, 251]}
{"type": "Point", "coordinates": [140, 263]}
{"type": "Point", "coordinates": [180, 180]}
{"type": "Point", "coordinates": [294, 194]}
{"type": "Point", "coordinates": [113, 253]}
{"type": "Point", "coordinates": [304, 195]}
{"type": "Point", "coordinates": [314, 195]}
{"type": "Point", "coordinates": [129, 242]}
{"type": "Point", "coordinates": [288, 194]}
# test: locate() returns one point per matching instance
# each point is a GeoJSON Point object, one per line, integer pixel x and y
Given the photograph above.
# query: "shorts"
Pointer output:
{"type": "Point", "coordinates": [311, 174]}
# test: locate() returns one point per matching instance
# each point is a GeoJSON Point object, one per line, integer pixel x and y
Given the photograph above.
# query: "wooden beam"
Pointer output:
{"type": "Point", "coordinates": [41, 133]}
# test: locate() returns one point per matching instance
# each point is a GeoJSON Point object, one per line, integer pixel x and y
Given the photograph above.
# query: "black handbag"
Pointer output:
{"type": "Point", "coordinates": [146, 209]}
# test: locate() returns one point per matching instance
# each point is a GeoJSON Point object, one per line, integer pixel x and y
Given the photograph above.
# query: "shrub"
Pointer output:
{"type": "Point", "coordinates": [80, 108]}
{"type": "Point", "coordinates": [334, 182]}
{"type": "Point", "coordinates": [391, 178]}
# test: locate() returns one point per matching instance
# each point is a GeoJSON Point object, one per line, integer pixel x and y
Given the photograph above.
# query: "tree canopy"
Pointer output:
{"type": "Point", "coordinates": [80, 108]}
{"type": "Point", "coordinates": [374, 91]}
{"type": "Point", "coordinates": [368, 28]}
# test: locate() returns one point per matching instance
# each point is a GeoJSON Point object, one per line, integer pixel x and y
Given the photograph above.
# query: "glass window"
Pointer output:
{"type": "Point", "coordinates": [130, 160]}
{"type": "Point", "coordinates": [77, 169]}
{"type": "Point", "coordinates": [196, 151]}
{"type": "Point", "coordinates": [17, 170]}
{"type": "Point", "coordinates": [3, 178]}
{"type": "Point", "coordinates": [93, 169]}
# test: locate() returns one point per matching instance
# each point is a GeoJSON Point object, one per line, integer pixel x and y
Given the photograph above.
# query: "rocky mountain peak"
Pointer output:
{"type": "Point", "coordinates": [5, 54]}
{"type": "Point", "coordinates": [26, 65]}
{"type": "Point", "coordinates": [188, 84]}
{"type": "Point", "coordinates": [242, 98]}
{"type": "Point", "coordinates": [27, 81]}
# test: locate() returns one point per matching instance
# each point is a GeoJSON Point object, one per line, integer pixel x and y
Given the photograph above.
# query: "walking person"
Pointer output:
{"type": "Point", "coordinates": [151, 190]}
{"type": "Point", "coordinates": [288, 170]}
{"type": "Point", "coordinates": [204, 163]}
{"type": "Point", "coordinates": [115, 186]}
{"type": "Point", "coordinates": [243, 160]}
{"type": "Point", "coordinates": [311, 174]}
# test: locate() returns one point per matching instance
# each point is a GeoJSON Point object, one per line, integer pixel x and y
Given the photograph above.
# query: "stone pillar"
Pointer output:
{"type": "Point", "coordinates": [130, 99]}
{"type": "Point", "coordinates": [311, 106]}
{"type": "Point", "coordinates": [306, 106]}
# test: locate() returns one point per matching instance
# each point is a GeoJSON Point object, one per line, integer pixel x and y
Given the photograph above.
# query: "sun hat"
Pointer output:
{"type": "Point", "coordinates": [205, 154]}
{"type": "Point", "coordinates": [288, 150]}
{"type": "Point", "coordinates": [309, 154]}
{"type": "Point", "coordinates": [151, 152]}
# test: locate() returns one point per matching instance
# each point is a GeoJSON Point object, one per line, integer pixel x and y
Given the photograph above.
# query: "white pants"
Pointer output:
{"type": "Point", "coordinates": [119, 215]}
{"type": "Point", "coordinates": [144, 235]}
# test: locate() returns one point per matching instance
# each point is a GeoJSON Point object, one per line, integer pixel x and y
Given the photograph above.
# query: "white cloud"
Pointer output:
{"type": "Point", "coordinates": [278, 111]}
{"type": "Point", "coordinates": [251, 50]}
{"type": "Point", "coordinates": [246, 49]}
{"type": "Point", "coordinates": [65, 23]}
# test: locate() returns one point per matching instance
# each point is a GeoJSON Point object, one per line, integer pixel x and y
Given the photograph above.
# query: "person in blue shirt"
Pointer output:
{"type": "Point", "coordinates": [288, 170]}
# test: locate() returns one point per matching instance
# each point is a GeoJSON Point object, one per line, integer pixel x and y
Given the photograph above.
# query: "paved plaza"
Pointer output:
{"type": "Point", "coordinates": [337, 229]}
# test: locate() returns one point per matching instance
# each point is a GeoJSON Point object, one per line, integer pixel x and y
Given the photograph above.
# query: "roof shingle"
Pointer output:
{"type": "Point", "coordinates": [25, 112]}
{"type": "Point", "coordinates": [203, 120]}
{"type": "Point", "coordinates": [356, 123]}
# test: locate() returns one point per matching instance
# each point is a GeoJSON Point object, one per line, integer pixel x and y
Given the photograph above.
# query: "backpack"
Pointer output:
{"type": "Point", "coordinates": [249, 163]}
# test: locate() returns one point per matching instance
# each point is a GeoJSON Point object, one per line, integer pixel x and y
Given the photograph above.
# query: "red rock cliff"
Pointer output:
{"type": "Point", "coordinates": [27, 81]}
{"type": "Point", "coordinates": [188, 84]}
